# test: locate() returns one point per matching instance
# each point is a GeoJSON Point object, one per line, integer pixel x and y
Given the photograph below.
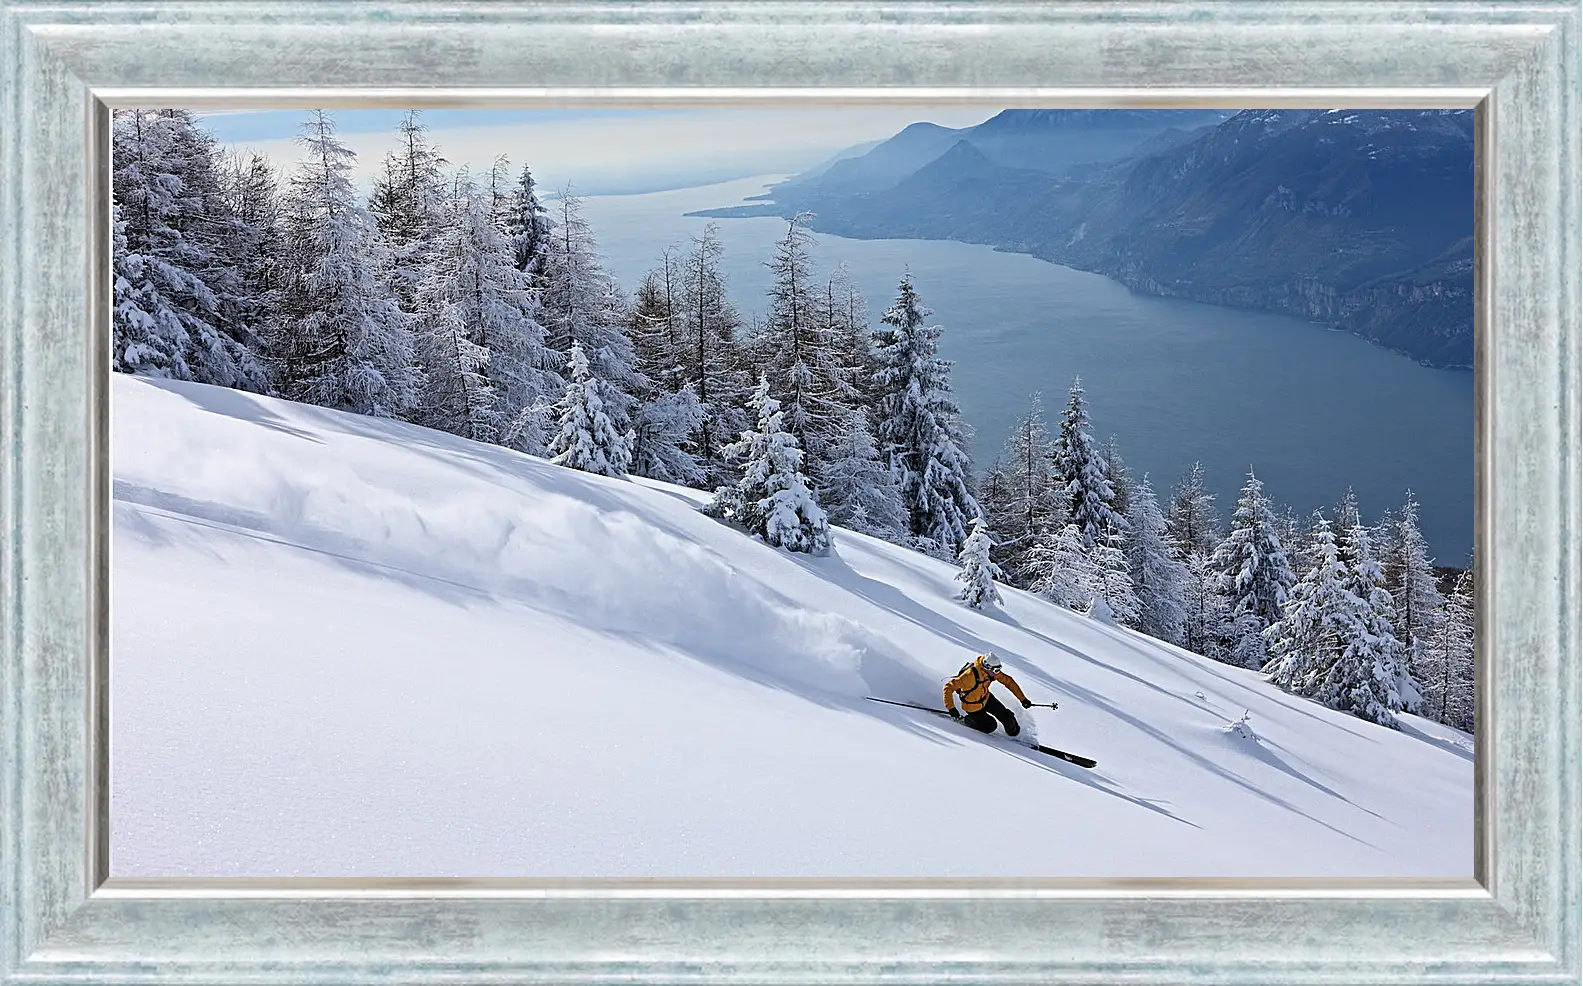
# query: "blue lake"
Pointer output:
{"type": "Point", "coordinates": [1310, 409]}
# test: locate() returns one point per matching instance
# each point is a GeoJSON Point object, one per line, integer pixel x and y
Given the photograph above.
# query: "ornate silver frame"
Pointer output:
{"type": "Point", "coordinates": [66, 63]}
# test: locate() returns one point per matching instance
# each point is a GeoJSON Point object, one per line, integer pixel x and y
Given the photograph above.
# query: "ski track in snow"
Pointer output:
{"type": "Point", "coordinates": [344, 646]}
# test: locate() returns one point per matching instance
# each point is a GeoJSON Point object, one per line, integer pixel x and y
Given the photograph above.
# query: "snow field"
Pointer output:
{"type": "Point", "coordinates": [344, 646]}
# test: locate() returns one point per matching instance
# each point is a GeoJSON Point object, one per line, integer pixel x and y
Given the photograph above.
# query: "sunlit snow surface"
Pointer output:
{"type": "Point", "coordinates": [343, 646]}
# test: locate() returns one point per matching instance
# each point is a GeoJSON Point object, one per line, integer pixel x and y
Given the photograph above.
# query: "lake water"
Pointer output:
{"type": "Point", "coordinates": [1310, 409]}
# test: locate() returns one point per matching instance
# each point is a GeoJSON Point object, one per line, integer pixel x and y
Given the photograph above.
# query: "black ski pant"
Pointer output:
{"type": "Point", "coordinates": [984, 719]}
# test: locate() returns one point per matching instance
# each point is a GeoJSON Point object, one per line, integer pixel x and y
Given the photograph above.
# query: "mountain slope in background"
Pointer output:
{"type": "Point", "coordinates": [1359, 219]}
{"type": "Point", "coordinates": [344, 646]}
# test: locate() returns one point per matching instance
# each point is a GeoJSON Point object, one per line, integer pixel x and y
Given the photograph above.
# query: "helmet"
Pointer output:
{"type": "Point", "coordinates": [991, 661]}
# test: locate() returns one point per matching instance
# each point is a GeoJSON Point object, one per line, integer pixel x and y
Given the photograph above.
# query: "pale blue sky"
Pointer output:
{"type": "Point", "coordinates": [603, 151]}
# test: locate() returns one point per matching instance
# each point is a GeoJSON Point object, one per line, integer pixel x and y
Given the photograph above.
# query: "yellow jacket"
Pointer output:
{"type": "Point", "coordinates": [973, 682]}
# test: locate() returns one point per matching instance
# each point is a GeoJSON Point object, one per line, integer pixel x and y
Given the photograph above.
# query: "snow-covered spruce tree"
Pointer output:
{"type": "Point", "coordinates": [581, 304]}
{"type": "Point", "coordinates": [1410, 579]}
{"type": "Point", "coordinates": [978, 572]}
{"type": "Point", "coordinates": [1448, 675]}
{"type": "Point", "coordinates": [1205, 612]}
{"type": "Point", "coordinates": [1116, 587]}
{"type": "Point", "coordinates": [1348, 515]}
{"type": "Point", "coordinates": [256, 248]}
{"type": "Point", "coordinates": [527, 225]}
{"type": "Point", "coordinates": [1080, 473]}
{"type": "Point", "coordinates": [1316, 620]}
{"type": "Point", "coordinates": [181, 314]}
{"type": "Point", "coordinates": [995, 492]}
{"type": "Point", "coordinates": [1159, 580]}
{"type": "Point", "coordinates": [773, 500]}
{"type": "Point", "coordinates": [669, 412]}
{"type": "Point", "coordinates": [653, 324]}
{"type": "Point", "coordinates": [846, 312]}
{"type": "Point", "coordinates": [1116, 473]}
{"type": "Point", "coordinates": [1255, 574]}
{"type": "Point", "coordinates": [1190, 522]}
{"type": "Point", "coordinates": [483, 352]}
{"type": "Point", "coordinates": [919, 427]}
{"type": "Point", "coordinates": [408, 204]}
{"type": "Point", "coordinates": [589, 438]}
{"type": "Point", "coordinates": [1374, 642]}
{"type": "Point", "coordinates": [1193, 531]}
{"type": "Point", "coordinates": [664, 435]}
{"type": "Point", "coordinates": [343, 341]}
{"type": "Point", "coordinates": [707, 351]}
{"type": "Point", "coordinates": [859, 489]}
{"type": "Point", "coordinates": [1067, 574]}
{"type": "Point", "coordinates": [1031, 502]}
{"type": "Point", "coordinates": [1293, 538]}
{"type": "Point", "coordinates": [498, 189]}
{"type": "Point", "coordinates": [800, 355]}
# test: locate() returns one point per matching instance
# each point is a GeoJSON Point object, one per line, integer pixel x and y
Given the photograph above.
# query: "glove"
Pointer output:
{"type": "Point", "coordinates": [955, 714]}
{"type": "Point", "coordinates": [1027, 704]}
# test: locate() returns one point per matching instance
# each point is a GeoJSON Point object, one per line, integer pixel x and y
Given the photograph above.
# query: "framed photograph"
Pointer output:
{"type": "Point", "coordinates": [790, 492]}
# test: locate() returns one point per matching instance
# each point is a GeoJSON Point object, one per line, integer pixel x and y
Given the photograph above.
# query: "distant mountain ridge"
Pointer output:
{"type": "Point", "coordinates": [1358, 219]}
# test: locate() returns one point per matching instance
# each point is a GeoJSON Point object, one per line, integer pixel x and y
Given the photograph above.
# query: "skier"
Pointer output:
{"type": "Point", "coordinates": [982, 708]}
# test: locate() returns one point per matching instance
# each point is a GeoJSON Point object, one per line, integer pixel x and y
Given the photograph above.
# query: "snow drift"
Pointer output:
{"type": "Point", "coordinates": [345, 646]}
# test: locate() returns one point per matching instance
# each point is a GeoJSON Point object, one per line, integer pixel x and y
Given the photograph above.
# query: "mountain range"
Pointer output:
{"type": "Point", "coordinates": [1362, 220]}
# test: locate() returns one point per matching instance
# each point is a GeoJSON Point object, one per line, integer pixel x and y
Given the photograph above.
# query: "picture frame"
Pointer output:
{"type": "Point", "coordinates": [66, 65]}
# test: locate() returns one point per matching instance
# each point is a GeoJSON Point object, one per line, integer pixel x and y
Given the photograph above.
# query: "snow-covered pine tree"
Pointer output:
{"type": "Point", "coordinates": [1289, 529]}
{"type": "Point", "coordinates": [978, 572]}
{"type": "Point", "coordinates": [1190, 522]}
{"type": "Point", "coordinates": [1159, 580]}
{"type": "Point", "coordinates": [800, 356]}
{"type": "Point", "coordinates": [1116, 588]}
{"type": "Point", "coordinates": [708, 352]}
{"type": "Point", "coordinates": [995, 494]}
{"type": "Point", "coordinates": [859, 490]}
{"type": "Point", "coordinates": [1316, 620]}
{"type": "Point", "coordinates": [1448, 675]}
{"type": "Point", "coordinates": [343, 341]}
{"type": "Point", "coordinates": [408, 205]}
{"type": "Point", "coordinates": [1348, 515]}
{"type": "Point", "coordinates": [1410, 579]}
{"type": "Point", "coordinates": [919, 425]}
{"type": "Point", "coordinates": [1032, 503]}
{"type": "Point", "coordinates": [1080, 473]}
{"type": "Point", "coordinates": [1067, 574]}
{"type": "Point", "coordinates": [654, 324]}
{"type": "Point", "coordinates": [1255, 574]}
{"type": "Point", "coordinates": [847, 313]}
{"type": "Point", "coordinates": [499, 190]}
{"type": "Point", "coordinates": [527, 225]}
{"type": "Point", "coordinates": [581, 304]}
{"type": "Point", "coordinates": [181, 314]}
{"type": "Point", "coordinates": [669, 413]}
{"type": "Point", "coordinates": [589, 438]}
{"type": "Point", "coordinates": [1193, 531]}
{"type": "Point", "coordinates": [773, 500]}
{"type": "Point", "coordinates": [1116, 473]}
{"type": "Point", "coordinates": [665, 432]}
{"type": "Point", "coordinates": [485, 361]}
{"type": "Point", "coordinates": [456, 395]}
{"type": "Point", "coordinates": [256, 248]}
{"type": "Point", "coordinates": [1206, 623]}
{"type": "Point", "coordinates": [1374, 644]}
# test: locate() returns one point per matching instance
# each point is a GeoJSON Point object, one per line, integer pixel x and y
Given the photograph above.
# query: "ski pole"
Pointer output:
{"type": "Point", "coordinates": [1043, 705]}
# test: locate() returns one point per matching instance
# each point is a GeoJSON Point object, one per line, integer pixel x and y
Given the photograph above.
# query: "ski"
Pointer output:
{"type": "Point", "coordinates": [1071, 758]}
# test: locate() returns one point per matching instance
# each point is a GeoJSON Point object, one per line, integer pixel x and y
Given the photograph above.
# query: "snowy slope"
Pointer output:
{"type": "Point", "coordinates": [344, 646]}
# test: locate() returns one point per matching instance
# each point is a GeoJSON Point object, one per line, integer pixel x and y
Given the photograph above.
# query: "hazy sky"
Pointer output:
{"type": "Point", "coordinates": [602, 151]}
